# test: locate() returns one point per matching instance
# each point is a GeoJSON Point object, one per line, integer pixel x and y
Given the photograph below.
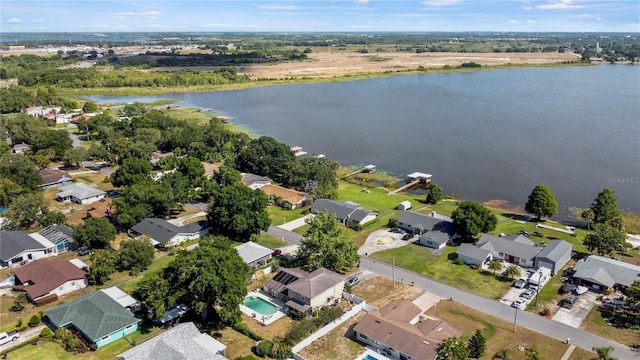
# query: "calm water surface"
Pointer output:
{"type": "Point", "coordinates": [484, 135]}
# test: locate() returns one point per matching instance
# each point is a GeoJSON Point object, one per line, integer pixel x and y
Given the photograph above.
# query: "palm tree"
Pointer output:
{"type": "Point", "coordinates": [513, 271]}
{"type": "Point", "coordinates": [495, 266]}
{"type": "Point", "coordinates": [604, 353]}
{"type": "Point", "coordinates": [587, 214]}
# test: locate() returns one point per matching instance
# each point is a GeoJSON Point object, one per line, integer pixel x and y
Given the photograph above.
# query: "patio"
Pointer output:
{"type": "Point", "coordinates": [264, 319]}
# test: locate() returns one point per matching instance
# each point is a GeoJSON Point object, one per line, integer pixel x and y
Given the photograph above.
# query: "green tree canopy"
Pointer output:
{"type": "Point", "coordinates": [238, 212]}
{"type": "Point", "coordinates": [142, 200]}
{"type": "Point", "coordinates": [541, 202]}
{"type": "Point", "coordinates": [477, 345]}
{"type": "Point", "coordinates": [56, 140]}
{"type": "Point", "coordinates": [605, 239]}
{"type": "Point", "coordinates": [471, 218]}
{"type": "Point", "coordinates": [605, 209]}
{"type": "Point", "coordinates": [136, 255]}
{"type": "Point", "coordinates": [89, 107]}
{"type": "Point", "coordinates": [452, 348]}
{"type": "Point", "coordinates": [326, 244]}
{"type": "Point", "coordinates": [210, 279]}
{"type": "Point", "coordinates": [132, 171]}
{"type": "Point", "coordinates": [25, 211]}
{"type": "Point", "coordinates": [21, 170]}
{"type": "Point", "coordinates": [95, 233]}
{"type": "Point", "coordinates": [74, 156]}
{"type": "Point", "coordinates": [268, 157]}
{"type": "Point", "coordinates": [436, 193]}
{"type": "Point", "coordinates": [633, 294]}
{"type": "Point", "coordinates": [103, 264]}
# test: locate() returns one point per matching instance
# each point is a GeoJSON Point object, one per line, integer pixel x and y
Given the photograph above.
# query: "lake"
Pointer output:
{"type": "Point", "coordinates": [485, 135]}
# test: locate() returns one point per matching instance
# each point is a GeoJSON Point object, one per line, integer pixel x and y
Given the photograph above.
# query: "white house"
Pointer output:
{"type": "Point", "coordinates": [80, 193]}
{"type": "Point", "coordinates": [166, 234]}
{"type": "Point", "coordinates": [43, 277]}
{"type": "Point", "coordinates": [16, 247]}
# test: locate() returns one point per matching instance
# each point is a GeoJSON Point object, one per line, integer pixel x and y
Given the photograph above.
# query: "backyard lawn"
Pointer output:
{"type": "Point", "coordinates": [421, 260]}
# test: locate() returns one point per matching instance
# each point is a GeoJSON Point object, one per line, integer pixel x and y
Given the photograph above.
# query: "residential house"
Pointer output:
{"type": "Point", "coordinates": [555, 255]}
{"type": "Point", "coordinates": [399, 332]}
{"type": "Point", "coordinates": [417, 223]}
{"type": "Point", "coordinates": [254, 181]}
{"type": "Point", "coordinates": [156, 156]}
{"type": "Point", "coordinates": [601, 273]}
{"type": "Point", "coordinates": [94, 165]}
{"type": "Point", "coordinates": [54, 178]}
{"type": "Point", "coordinates": [183, 342]}
{"type": "Point", "coordinates": [99, 318]}
{"type": "Point", "coordinates": [41, 110]}
{"type": "Point", "coordinates": [100, 209]}
{"type": "Point", "coordinates": [60, 235]}
{"type": "Point", "coordinates": [16, 248]}
{"type": "Point", "coordinates": [55, 118]}
{"type": "Point", "coordinates": [80, 193]}
{"type": "Point", "coordinates": [20, 148]}
{"type": "Point", "coordinates": [514, 249]}
{"type": "Point", "coordinates": [209, 169]}
{"type": "Point", "coordinates": [473, 255]}
{"type": "Point", "coordinates": [166, 234]}
{"type": "Point", "coordinates": [291, 197]}
{"type": "Point", "coordinates": [44, 277]}
{"type": "Point", "coordinates": [305, 291]}
{"type": "Point", "coordinates": [346, 212]}
{"type": "Point", "coordinates": [125, 300]}
{"type": "Point", "coordinates": [254, 255]}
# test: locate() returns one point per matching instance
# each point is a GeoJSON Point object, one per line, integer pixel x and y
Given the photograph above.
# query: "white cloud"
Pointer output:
{"type": "Point", "coordinates": [440, 2]}
{"type": "Point", "coordinates": [278, 7]}
{"type": "Point", "coordinates": [361, 1]}
{"type": "Point", "coordinates": [513, 21]}
{"type": "Point", "coordinates": [14, 20]}
{"type": "Point", "coordinates": [151, 14]}
{"type": "Point", "coordinates": [37, 21]}
{"type": "Point", "coordinates": [122, 15]}
{"type": "Point", "coordinates": [532, 21]}
{"type": "Point", "coordinates": [559, 5]}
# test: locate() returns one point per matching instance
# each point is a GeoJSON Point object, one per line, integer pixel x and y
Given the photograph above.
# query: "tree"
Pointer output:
{"type": "Point", "coordinates": [471, 218]}
{"type": "Point", "coordinates": [53, 218]}
{"type": "Point", "coordinates": [513, 271]}
{"type": "Point", "coordinates": [587, 215]}
{"type": "Point", "coordinates": [89, 107]}
{"type": "Point", "coordinates": [633, 294]}
{"type": "Point", "coordinates": [95, 233]}
{"type": "Point", "coordinates": [452, 348]}
{"type": "Point", "coordinates": [74, 156]}
{"type": "Point", "coordinates": [604, 353]}
{"type": "Point", "coordinates": [532, 353]}
{"type": "Point", "coordinates": [477, 345]}
{"type": "Point", "coordinates": [210, 279]}
{"type": "Point", "coordinates": [136, 255]}
{"type": "Point", "coordinates": [25, 210]}
{"type": "Point", "coordinates": [268, 157]}
{"type": "Point", "coordinates": [103, 264]}
{"type": "Point", "coordinates": [495, 266]}
{"type": "Point", "coordinates": [326, 244]}
{"type": "Point", "coordinates": [238, 212]}
{"type": "Point", "coordinates": [605, 239]}
{"type": "Point", "coordinates": [21, 170]}
{"type": "Point", "coordinates": [56, 140]}
{"type": "Point", "coordinates": [142, 200]}
{"type": "Point", "coordinates": [436, 193]}
{"type": "Point", "coordinates": [541, 202]}
{"type": "Point", "coordinates": [605, 208]}
{"type": "Point", "coordinates": [226, 175]}
{"type": "Point", "coordinates": [132, 171]}
{"type": "Point", "coordinates": [8, 191]}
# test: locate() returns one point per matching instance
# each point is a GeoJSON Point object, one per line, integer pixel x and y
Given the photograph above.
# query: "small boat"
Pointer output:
{"type": "Point", "coordinates": [581, 290]}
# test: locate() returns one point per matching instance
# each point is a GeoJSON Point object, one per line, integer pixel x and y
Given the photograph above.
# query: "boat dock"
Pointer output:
{"type": "Point", "coordinates": [298, 151]}
{"type": "Point", "coordinates": [413, 179]}
{"type": "Point", "coordinates": [367, 169]}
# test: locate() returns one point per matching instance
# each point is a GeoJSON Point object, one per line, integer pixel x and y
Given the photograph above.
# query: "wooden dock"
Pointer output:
{"type": "Point", "coordinates": [366, 169]}
{"type": "Point", "coordinates": [404, 187]}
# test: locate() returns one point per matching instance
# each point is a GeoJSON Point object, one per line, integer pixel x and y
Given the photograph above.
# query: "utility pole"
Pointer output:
{"type": "Point", "coordinates": [515, 320]}
{"type": "Point", "coordinates": [393, 266]}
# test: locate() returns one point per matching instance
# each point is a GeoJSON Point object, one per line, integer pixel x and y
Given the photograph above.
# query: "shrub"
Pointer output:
{"type": "Point", "coordinates": [244, 330]}
{"type": "Point", "coordinates": [34, 321]}
{"type": "Point", "coordinates": [46, 333]}
{"type": "Point", "coordinates": [280, 351]}
{"type": "Point", "coordinates": [545, 311]}
{"type": "Point", "coordinates": [458, 261]}
{"type": "Point", "coordinates": [19, 323]}
{"type": "Point", "coordinates": [609, 291]}
{"type": "Point", "coordinates": [264, 348]}
{"type": "Point", "coordinates": [393, 222]}
{"type": "Point", "coordinates": [470, 65]}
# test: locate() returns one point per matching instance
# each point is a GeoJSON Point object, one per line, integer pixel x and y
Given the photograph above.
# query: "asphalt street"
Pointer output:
{"type": "Point", "coordinates": [526, 319]}
{"type": "Point", "coordinates": [286, 235]}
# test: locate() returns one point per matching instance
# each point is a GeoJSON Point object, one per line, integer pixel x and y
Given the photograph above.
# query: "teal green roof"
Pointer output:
{"type": "Point", "coordinates": [95, 315]}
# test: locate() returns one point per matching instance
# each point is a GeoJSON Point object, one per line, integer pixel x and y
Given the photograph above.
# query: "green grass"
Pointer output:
{"type": "Point", "coordinates": [419, 259]}
{"type": "Point", "coordinates": [157, 265]}
{"type": "Point", "coordinates": [270, 241]}
{"type": "Point", "coordinates": [444, 207]}
{"type": "Point", "coordinates": [280, 216]}
{"type": "Point", "coordinates": [376, 199]}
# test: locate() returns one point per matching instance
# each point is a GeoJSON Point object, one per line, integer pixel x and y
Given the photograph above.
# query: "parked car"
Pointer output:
{"type": "Point", "coordinates": [567, 288]}
{"type": "Point", "coordinates": [353, 281]}
{"type": "Point", "coordinates": [534, 287]}
{"type": "Point", "coordinates": [10, 336]}
{"type": "Point", "coordinates": [407, 237]}
{"type": "Point", "coordinates": [396, 230]}
{"type": "Point", "coordinates": [276, 252]}
{"type": "Point", "coordinates": [538, 234]}
{"type": "Point", "coordinates": [520, 303]}
{"type": "Point", "coordinates": [85, 251]}
{"type": "Point", "coordinates": [520, 283]}
{"type": "Point", "coordinates": [524, 233]}
{"type": "Point", "coordinates": [569, 301]}
{"type": "Point", "coordinates": [528, 294]}
{"type": "Point", "coordinates": [619, 303]}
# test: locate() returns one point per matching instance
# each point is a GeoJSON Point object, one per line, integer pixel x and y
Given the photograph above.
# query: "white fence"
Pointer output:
{"type": "Point", "coordinates": [326, 329]}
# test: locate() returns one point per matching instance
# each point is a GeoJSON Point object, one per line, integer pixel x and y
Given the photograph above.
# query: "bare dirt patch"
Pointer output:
{"type": "Point", "coordinates": [379, 291]}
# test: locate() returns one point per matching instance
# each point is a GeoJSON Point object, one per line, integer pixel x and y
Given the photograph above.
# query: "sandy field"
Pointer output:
{"type": "Point", "coordinates": [321, 65]}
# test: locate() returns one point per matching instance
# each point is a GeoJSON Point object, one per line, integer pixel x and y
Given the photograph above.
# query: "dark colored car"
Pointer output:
{"type": "Point", "coordinates": [276, 252]}
{"type": "Point", "coordinates": [396, 230]}
{"type": "Point", "coordinates": [567, 288]}
{"type": "Point", "coordinates": [407, 236]}
{"type": "Point", "coordinates": [569, 301]}
{"type": "Point", "coordinates": [85, 251]}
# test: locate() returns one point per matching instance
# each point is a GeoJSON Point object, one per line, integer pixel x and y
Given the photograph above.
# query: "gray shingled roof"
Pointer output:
{"type": "Point", "coordinates": [440, 232]}
{"type": "Point", "coordinates": [183, 342]}
{"type": "Point", "coordinates": [555, 250]}
{"type": "Point", "coordinates": [96, 315]}
{"type": "Point", "coordinates": [606, 271]}
{"type": "Point", "coordinates": [339, 209]}
{"type": "Point", "coordinates": [14, 243]}
{"type": "Point", "coordinates": [507, 246]}
{"type": "Point", "coordinates": [473, 252]}
{"type": "Point", "coordinates": [316, 283]}
{"type": "Point", "coordinates": [250, 251]}
{"type": "Point", "coordinates": [163, 231]}
{"type": "Point", "coordinates": [80, 191]}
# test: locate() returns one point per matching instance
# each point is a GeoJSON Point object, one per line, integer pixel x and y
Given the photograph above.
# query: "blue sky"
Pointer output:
{"type": "Point", "coordinates": [321, 16]}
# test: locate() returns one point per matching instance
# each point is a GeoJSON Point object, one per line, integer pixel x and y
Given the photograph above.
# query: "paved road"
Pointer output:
{"type": "Point", "coordinates": [24, 336]}
{"type": "Point", "coordinates": [526, 319]}
{"type": "Point", "coordinates": [75, 140]}
{"type": "Point", "coordinates": [286, 235]}
{"type": "Point", "coordinates": [181, 220]}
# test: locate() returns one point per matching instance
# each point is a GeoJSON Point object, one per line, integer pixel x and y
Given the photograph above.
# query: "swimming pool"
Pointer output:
{"type": "Point", "coordinates": [369, 357]}
{"type": "Point", "coordinates": [259, 305]}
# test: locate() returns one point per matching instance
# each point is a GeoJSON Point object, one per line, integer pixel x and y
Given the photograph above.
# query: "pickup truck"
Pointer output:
{"type": "Point", "coordinates": [10, 336]}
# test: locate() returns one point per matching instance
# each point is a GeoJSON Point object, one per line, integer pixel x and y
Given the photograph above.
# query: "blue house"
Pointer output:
{"type": "Point", "coordinates": [98, 317]}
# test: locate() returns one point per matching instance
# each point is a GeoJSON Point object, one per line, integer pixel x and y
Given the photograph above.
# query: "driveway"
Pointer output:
{"type": "Point", "coordinates": [380, 240]}
{"type": "Point", "coordinates": [292, 225]}
{"type": "Point", "coordinates": [181, 220]}
{"type": "Point", "coordinates": [576, 315]}
{"type": "Point", "coordinates": [24, 336]}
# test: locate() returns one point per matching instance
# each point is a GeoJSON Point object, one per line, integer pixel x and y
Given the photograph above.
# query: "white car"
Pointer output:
{"type": "Point", "coordinates": [520, 303]}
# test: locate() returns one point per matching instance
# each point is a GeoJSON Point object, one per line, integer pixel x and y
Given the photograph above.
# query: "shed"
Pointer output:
{"type": "Point", "coordinates": [555, 255]}
{"type": "Point", "coordinates": [405, 205]}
